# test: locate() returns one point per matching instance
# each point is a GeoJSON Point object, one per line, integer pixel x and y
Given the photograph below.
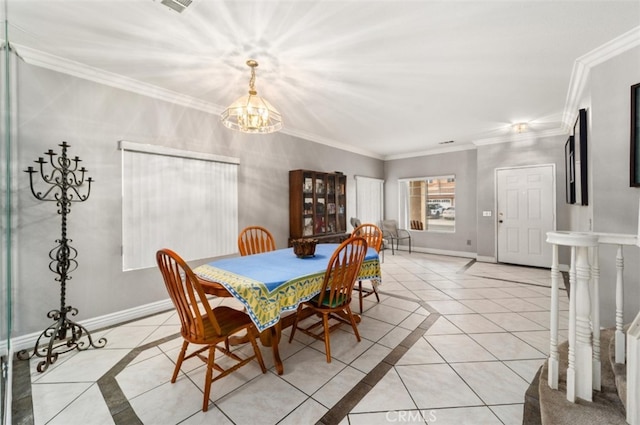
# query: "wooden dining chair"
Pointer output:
{"type": "Point", "coordinates": [373, 236]}
{"type": "Point", "coordinates": [203, 325]}
{"type": "Point", "coordinates": [254, 240]}
{"type": "Point", "coordinates": [334, 299]}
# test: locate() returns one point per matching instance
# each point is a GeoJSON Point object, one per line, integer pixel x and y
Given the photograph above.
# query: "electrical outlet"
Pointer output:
{"type": "Point", "coordinates": [469, 242]}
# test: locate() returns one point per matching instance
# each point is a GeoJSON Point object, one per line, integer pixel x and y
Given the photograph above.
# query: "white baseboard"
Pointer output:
{"type": "Point", "coordinates": [486, 259]}
{"type": "Point", "coordinates": [24, 342]}
{"type": "Point", "coordinates": [463, 254]}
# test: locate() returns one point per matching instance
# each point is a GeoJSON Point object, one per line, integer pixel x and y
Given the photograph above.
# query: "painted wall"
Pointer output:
{"type": "Point", "coordinates": [463, 165]}
{"type": "Point", "coordinates": [92, 117]}
{"type": "Point", "coordinates": [536, 151]}
{"type": "Point", "coordinates": [475, 189]}
{"type": "Point", "coordinates": [615, 203]}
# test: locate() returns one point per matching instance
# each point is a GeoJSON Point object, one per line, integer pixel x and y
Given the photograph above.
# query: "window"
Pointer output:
{"type": "Point", "coordinates": [428, 203]}
{"type": "Point", "coordinates": [184, 201]}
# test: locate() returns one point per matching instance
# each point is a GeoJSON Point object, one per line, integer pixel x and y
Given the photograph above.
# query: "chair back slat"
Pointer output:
{"type": "Point", "coordinates": [372, 234]}
{"type": "Point", "coordinates": [254, 240]}
{"type": "Point", "coordinates": [187, 296]}
{"type": "Point", "coordinates": [342, 271]}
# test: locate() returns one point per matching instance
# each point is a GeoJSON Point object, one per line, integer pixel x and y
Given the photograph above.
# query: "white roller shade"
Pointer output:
{"type": "Point", "coordinates": [184, 201]}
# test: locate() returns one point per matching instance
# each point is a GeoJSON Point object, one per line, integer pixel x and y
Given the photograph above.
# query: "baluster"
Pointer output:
{"type": "Point", "coordinates": [619, 336]}
{"type": "Point", "coordinates": [595, 317]}
{"type": "Point", "coordinates": [553, 348]}
{"type": "Point", "coordinates": [584, 349]}
{"type": "Point", "coordinates": [571, 368]}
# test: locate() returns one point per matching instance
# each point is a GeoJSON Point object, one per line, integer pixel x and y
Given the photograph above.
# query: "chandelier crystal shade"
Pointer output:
{"type": "Point", "coordinates": [252, 113]}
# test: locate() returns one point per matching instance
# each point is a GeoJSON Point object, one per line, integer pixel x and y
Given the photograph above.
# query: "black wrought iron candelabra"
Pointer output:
{"type": "Point", "coordinates": [65, 181]}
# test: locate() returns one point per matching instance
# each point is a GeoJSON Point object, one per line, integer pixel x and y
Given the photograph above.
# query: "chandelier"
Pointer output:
{"type": "Point", "coordinates": [252, 113]}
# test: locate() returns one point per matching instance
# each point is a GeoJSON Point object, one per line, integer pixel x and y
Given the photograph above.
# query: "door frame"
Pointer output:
{"type": "Point", "coordinates": [554, 186]}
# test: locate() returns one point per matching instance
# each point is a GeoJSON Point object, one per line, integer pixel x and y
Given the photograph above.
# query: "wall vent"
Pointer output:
{"type": "Point", "coordinates": [177, 5]}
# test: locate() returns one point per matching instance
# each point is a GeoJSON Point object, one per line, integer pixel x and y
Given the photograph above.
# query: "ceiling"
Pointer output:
{"type": "Point", "coordinates": [388, 79]}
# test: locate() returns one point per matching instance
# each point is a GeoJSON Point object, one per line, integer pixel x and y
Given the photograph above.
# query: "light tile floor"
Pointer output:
{"type": "Point", "coordinates": [452, 341]}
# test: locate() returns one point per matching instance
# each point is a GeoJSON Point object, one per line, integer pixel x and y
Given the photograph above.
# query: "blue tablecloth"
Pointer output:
{"type": "Point", "coordinates": [274, 282]}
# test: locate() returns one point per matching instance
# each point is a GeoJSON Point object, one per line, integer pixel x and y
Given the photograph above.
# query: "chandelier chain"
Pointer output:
{"type": "Point", "coordinates": [252, 81]}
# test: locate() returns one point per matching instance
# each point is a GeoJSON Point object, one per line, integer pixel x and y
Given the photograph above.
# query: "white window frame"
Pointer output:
{"type": "Point", "coordinates": [403, 203]}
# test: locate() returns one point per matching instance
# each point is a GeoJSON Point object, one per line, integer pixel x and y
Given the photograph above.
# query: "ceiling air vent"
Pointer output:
{"type": "Point", "coordinates": [177, 5]}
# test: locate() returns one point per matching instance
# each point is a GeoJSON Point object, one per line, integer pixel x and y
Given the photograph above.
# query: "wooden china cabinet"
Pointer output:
{"type": "Point", "coordinates": [317, 206]}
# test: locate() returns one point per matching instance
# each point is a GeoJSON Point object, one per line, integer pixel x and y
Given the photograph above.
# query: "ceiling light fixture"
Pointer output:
{"type": "Point", "coordinates": [252, 113]}
{"type": "Point", "coordinates": [520, 127]}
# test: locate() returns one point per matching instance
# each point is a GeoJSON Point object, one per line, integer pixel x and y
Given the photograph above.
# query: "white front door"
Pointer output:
{"type": "Point", "coordinates": [525, 213]}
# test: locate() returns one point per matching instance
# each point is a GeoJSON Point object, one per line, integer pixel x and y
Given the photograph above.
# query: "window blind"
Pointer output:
{"type": "Point", "coordinates": [181, 200]}
{"type": "Point", "coordinates": [369, 199]}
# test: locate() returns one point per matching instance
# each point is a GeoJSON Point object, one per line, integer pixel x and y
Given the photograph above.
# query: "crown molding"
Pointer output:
{"type": "Point", "coordinates": [582, 68]}
{"type": "Point", "coordinates": [435, 151]}
{"type": "Point", "coordinates": [80, 70]}
{"type": "Point", "coordinates": [578, 82]}
{"type": "Point", "coordinates": [329, 142]}
{"type": "Point", "coordinates": [523, 137]}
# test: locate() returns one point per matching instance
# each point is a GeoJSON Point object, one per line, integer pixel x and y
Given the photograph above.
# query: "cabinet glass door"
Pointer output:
{"type": "Point", "coordinates": [332, 225]}
{"type": "Point", "coordinates": [308, 204]}
{"type": "Point", "coordinates": [319, 220]}
{"type": "Point", "coordinates": [341, 200]}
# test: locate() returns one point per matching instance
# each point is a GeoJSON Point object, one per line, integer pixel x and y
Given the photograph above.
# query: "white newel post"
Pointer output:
{"type": "Point", "coordinates": [580, 371]}
{"type": "Point", "coordinates": [584, 349]}
{"type": "Point", "coordinates": [595, 318]}
{"type": "Point", "coordinates": [553, 348]}
{"type": "Point", "coordinates": [633, 372]}
{"type": "Point", "coordinates": [619, 336]}
{"type": "Point", "coordinates": [571, 366]}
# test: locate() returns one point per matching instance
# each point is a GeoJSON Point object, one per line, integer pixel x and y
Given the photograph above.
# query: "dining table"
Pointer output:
{"type": "Point", "coordinates": [270, 284]}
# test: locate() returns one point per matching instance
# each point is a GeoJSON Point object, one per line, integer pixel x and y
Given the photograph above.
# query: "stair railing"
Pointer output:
{"type": "Point", "coordinates": [583, 371]}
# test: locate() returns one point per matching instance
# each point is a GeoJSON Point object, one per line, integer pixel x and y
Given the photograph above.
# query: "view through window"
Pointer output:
{"type": "Point", "coordinates": [430, 203]}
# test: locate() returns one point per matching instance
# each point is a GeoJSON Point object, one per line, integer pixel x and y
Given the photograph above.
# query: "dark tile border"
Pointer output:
{"type": "Point", "coordinates": [123, 414]}
{"type": "Point", "coordinates": [346, 404]}
{"type": "Point", "coordinates": [118, 404]}
{"type": "Point", "coordinates": [21, 400]}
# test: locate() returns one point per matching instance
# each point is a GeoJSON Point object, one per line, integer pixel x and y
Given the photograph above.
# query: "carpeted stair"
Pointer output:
{"type": "Point", "coordinates": [544, 406]}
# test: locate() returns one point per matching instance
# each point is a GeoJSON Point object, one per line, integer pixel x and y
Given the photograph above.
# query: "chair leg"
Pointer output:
{"type": "Point", "coordinates": [375, 291]}
{"type": "Point", "coordinates": [354, 325]}
{"type": "Point", "coordinates": [360, 297]}
{"type": "Point", "coordinates": [327, 343]}
{"type": "Point", "coordinates": [251, 332]}
{"type": "Point", "coordinates": [183, 351]}
{"type": "Point", "coordinates": [208, 377]}
{"type": "Point", "coordinates": [295, 323]}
